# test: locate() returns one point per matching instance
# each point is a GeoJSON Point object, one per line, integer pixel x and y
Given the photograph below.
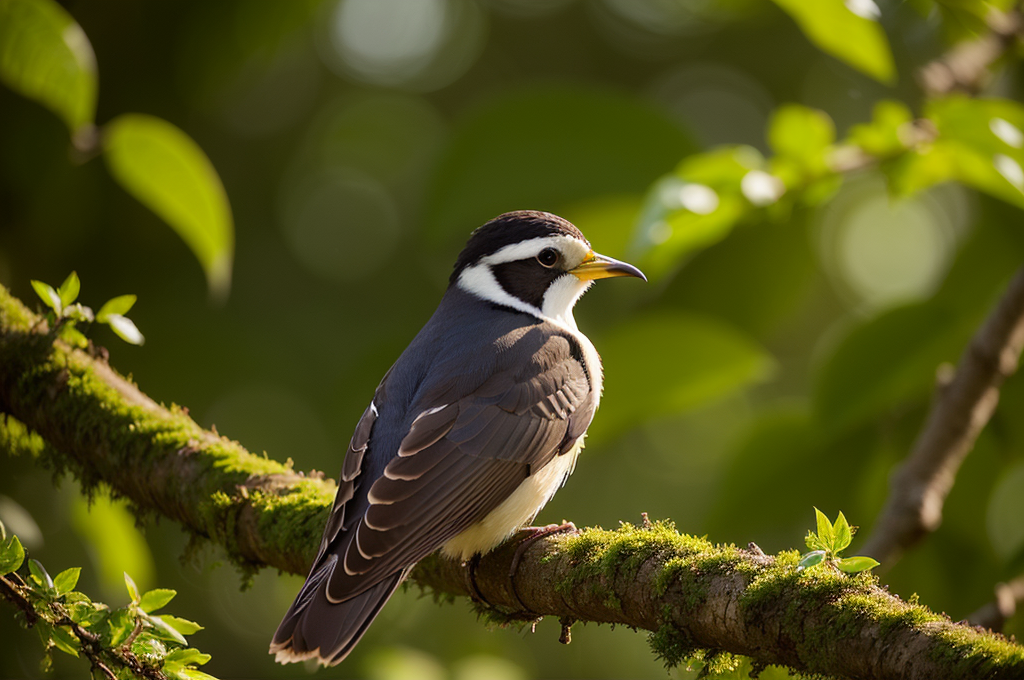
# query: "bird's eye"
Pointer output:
{"type": "Point", "coordinates": [548, 257]}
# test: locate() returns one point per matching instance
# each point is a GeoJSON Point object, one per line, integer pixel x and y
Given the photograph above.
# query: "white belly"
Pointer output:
{"type": "Point", "coordinates": [516, 511]}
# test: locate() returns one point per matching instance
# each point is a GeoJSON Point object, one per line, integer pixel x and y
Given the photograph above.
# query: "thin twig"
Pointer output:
{"type": "Point", "coordinates": [1008, 599]}
{"type": "Point", "coordinates": [959, 412]}
{"type": "Point", "coordinates": [967, 67]}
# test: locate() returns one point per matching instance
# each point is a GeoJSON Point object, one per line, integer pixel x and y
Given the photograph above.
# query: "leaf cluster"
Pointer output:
{"type": "Point", "coordinates": [124, 643]}
{"type": "Point", "coordinates": [65, 312]}
{"type": "Point", "coordinates": [828, 541]}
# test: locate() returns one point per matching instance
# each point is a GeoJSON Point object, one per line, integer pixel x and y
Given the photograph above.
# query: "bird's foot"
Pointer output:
{"type": "Point", "coordinates": [474, 590]}
{"type": "Point", "coordinates": [535, 534]}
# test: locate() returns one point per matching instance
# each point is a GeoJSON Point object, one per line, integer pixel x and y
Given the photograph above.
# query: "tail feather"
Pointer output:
{"type": "Point", "coordinates": [316, 628]}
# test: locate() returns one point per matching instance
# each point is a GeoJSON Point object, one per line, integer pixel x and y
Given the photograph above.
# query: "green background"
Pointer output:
{"type": "Point", "coordinates": [785, 366]}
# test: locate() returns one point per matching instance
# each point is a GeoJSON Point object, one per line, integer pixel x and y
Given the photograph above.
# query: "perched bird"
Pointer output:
{"type": "Point", "coordinates": [468, 435]}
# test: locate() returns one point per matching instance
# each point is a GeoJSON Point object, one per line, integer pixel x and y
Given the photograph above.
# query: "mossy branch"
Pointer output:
{"type": "Point", "coordinates": [74, 413]}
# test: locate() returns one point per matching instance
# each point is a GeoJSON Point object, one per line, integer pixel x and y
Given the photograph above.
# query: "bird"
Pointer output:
{"type": "Point", "coordinates": [468, 435]}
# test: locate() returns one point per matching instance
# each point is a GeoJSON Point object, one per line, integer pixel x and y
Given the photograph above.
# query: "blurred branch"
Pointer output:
{"type": "Point", "coordinates": [691, 595]}
{"type": "Point", "coordinates": [967, 67]}
{"type": "Point", "coordinates": [1008, 598]}
{"type": "Point", "coordinates": [963, 405]}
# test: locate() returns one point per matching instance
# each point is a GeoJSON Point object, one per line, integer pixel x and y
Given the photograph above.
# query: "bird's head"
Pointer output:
{"type": "Point", "coordinates": [535, 262]}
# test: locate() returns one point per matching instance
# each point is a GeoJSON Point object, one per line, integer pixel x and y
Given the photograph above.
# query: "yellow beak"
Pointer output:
{"type": "Point", "coordinates": [595, 266]}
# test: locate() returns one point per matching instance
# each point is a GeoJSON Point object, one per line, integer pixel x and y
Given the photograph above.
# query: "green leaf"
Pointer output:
{"type": "Point", "coordinates": [194, 674]}
{"type": "Point", "coordinates": [810, 559]}
{"type": "Point", "coordinates": [165, 629]}
{"type": "Point", "coordinates": [12, 555]}
{"type": "Point", "coordinates": [851, 565]}
{"type": "Point", "coordinates": [120, 624]}
{"type": "Point", "coordinates": [125, 329]}
{"type": "Point", "coordinates": [48, 295]}
{"type": "Point", "coordinates": [64, 640]}
{"type": "Point", "coordinates": [68, 290]}
{"type": "Point", "coordinates": [883, 136]}
{"type": "Point", "coordinates": [45, 56]}
{"type": "Point", "coordinates": [39, 574]}
{"type": "Point", "coordinates": [825, 531]}
{"type": "Point", "coordinates": [801, 137]}
{"type": "Point", "coordinates": [87, 614]}
{"type": "Point", "coordinates": [812, 541]}
{"type": "Point", "coordinates": [187, 656]}
{"type": "Point", "coordinates": [980, 142]}
{"type": "Point", "coordinates": [78, 312]}
{"type": "Point", "coordinates": [149, 646]}
{"type": "Point", "coordinates": [167, 172]}
{"type": "Point", "coordinates": [695, 207]}
{"type": "Point", "coordinates": [854, 37]}
{"type": "Point", "coordinates": [122, 304]}
{"type": "Point", "coordinates": [155, 599]}
{"type": "Point", "coordinates": [709, 359]}
{"type": "Point", "coordinates": [65, 581]}
{"type": "Point", "coordinates": [183, 626]}
{"type": "Point", "coordinates": [843, 533]}
{"type": "Point", "coordinates": [133, 590]}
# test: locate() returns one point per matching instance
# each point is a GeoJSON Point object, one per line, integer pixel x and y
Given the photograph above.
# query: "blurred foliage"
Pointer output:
{"type": "Point", "coordinates": [820, 237]}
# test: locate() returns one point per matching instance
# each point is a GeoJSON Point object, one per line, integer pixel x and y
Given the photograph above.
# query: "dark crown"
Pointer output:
{"type": "Point", "coordinates": [512, 227]}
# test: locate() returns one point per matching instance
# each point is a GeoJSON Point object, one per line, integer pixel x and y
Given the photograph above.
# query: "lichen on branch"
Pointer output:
{"type": "Point", "coordinates": [74, 413]}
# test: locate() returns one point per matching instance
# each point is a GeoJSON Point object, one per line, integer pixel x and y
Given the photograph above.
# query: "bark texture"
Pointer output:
{"type": "Point", "coordinates": [70, 410]}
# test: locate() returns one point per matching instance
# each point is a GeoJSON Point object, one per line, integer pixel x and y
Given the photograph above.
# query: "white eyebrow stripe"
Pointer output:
{"type": "Point", "coordinates": [572, 248]}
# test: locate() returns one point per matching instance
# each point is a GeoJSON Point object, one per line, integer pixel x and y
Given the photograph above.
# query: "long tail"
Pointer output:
{"type": "Point", "coordinates": [316, 628]}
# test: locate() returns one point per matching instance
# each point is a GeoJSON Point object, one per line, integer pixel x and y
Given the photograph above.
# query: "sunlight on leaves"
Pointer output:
{"type": "Point", "coordinates": [848, 31]}
{"type": "Point", "coordinates": [168, 173]}
{"type": "Point", "coordinates": [696, 206]}
{"type": "Point", "coordinates": [45, 56]}
{"type": "Point", "coordinates": [979, 142]}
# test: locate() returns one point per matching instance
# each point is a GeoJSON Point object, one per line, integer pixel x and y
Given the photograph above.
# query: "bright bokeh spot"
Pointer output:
{"type": "Point", "coordinates": [887, 251]}
{"type": "Point", "coordinates": [1009, 169]}
{"type": "Point", "coordinates": [761, 188]}
{"type": "Point", "coordinates": [1007, 132]}
{"type": "Point", "coordinates": [420, 44]}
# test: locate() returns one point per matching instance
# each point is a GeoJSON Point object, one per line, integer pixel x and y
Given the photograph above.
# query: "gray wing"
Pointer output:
{"type": "Point", "coordinates": [458, 461]}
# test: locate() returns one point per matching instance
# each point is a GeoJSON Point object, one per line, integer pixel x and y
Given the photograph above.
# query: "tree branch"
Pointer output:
{"type": "Point", "coordinates": [962, 407]}
{"type": "Point", "coordinates": [690, 594]}
{"type": "Point", "coordinates": [1008, 599]}
{"type": "Point", "coordinates": [968, 66]}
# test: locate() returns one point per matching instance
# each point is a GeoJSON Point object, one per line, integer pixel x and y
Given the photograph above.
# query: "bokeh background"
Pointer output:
{"type": "Point", "coordinates": [785, 366]}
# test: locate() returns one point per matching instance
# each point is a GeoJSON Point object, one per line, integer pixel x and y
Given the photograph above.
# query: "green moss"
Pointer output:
{"type": "Point", "coordinates": [975, 653]}
{"type": "Point", "coordinates": [672, 645]}
{"type": "Point", "coordinates": [17, 440]}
